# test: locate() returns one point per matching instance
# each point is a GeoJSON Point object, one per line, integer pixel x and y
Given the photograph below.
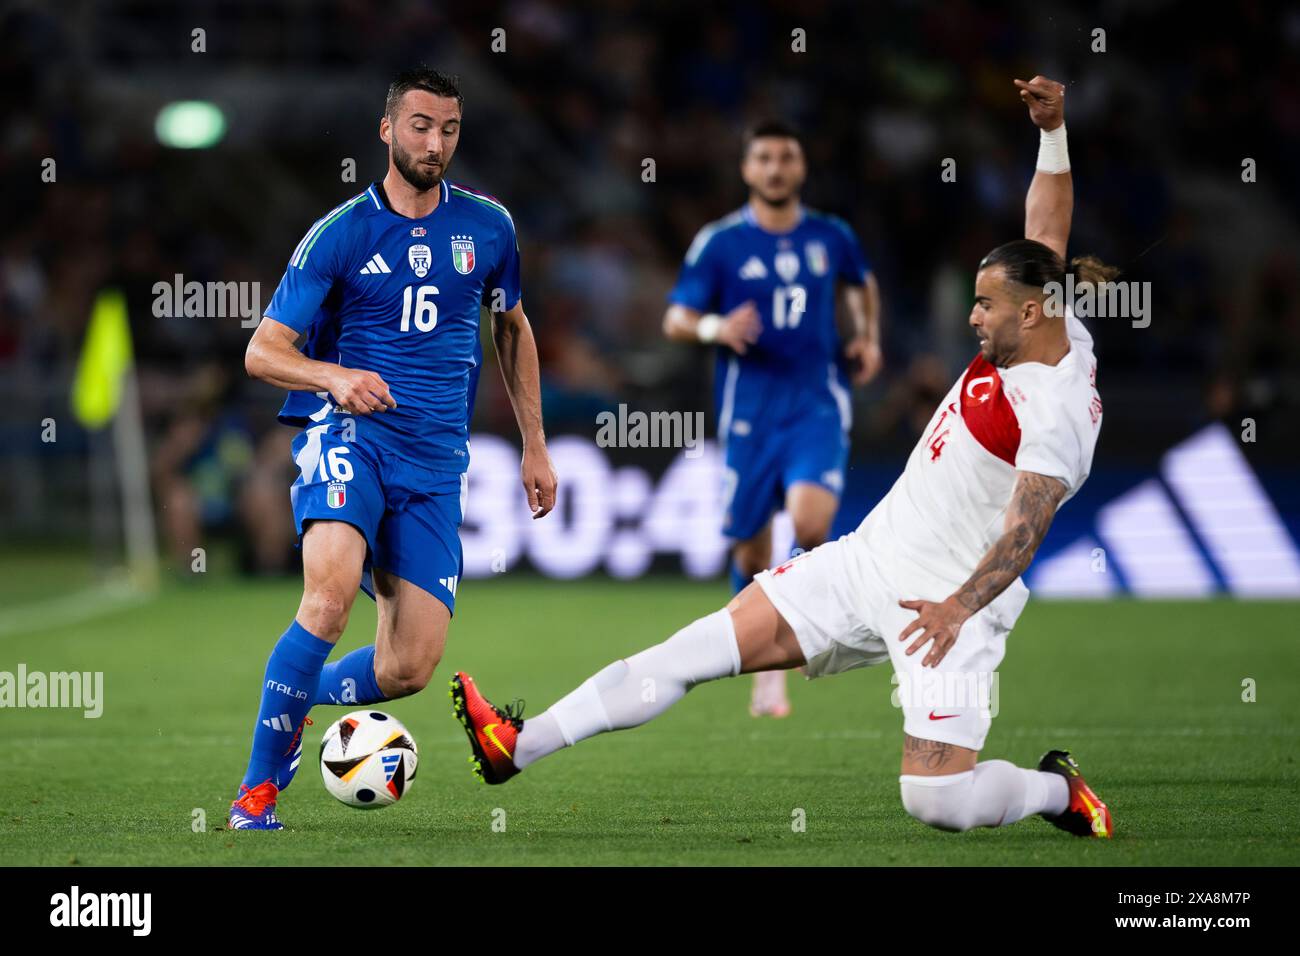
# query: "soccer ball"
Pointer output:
{"type": "Point", "coordinates": [368, 759]}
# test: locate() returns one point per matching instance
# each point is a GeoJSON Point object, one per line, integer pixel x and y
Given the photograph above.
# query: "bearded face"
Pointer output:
{"type": "Point", "coordinates": [422, 137]}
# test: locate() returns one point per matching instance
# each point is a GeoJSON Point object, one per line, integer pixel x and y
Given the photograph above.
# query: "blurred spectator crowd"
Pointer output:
{"type": "Point", "coordinates": [558, 125]}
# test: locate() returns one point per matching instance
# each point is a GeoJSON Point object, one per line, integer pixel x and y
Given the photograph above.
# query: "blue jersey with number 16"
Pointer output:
{"type": "Point", "coordinates": [400, 297]}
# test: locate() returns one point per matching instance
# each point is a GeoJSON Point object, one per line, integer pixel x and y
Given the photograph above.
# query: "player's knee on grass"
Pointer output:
{"type": "Point", "coordinates": [943, 802]}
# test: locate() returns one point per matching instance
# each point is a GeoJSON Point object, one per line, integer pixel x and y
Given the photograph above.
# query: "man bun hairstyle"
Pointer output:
{"type": "Point", "coordinates": [1033, 264]}
{"type": "Point", "coordinates": [1026, 261]}
{"type": "Point", "coordinates": [1090, 269]}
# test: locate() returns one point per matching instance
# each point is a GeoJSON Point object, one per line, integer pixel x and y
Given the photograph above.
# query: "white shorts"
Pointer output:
{"type": "Point", "coordinates": [843, 609]}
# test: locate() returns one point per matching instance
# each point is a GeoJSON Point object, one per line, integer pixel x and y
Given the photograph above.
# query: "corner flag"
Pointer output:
{"type": "Point", "coordinates": [105, 357]}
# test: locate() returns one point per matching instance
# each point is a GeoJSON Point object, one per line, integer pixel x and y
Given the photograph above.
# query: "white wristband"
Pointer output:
{"type": "Point", "coordinates": [1053, 156]}
{"type": "Point", "coordinates": [708, 326]}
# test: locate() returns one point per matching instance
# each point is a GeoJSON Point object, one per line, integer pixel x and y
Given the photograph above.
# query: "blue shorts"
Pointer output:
{"type": "Point", "coordinates": [410, 516]}
{"type": "Point", "coordinates": [760, 467]}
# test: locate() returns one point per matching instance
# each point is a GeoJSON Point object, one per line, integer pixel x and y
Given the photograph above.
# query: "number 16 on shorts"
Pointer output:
{"type": "Point", "coordinates": [339, 468]}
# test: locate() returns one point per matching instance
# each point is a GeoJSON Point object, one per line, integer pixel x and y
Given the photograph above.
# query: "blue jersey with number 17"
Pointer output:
{"type": "Point", "coordinates": [400, 297]}
{"type": "Point", "coordinates": [791, 277]}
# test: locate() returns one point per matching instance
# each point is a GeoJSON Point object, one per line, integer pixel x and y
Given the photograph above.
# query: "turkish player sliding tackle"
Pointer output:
{"type": "Point", "coordinates": [777, 270]}
{"type": "Point", "coordinates": [931, 578]}
{"type": "Point", "coordinates": [387, 288]}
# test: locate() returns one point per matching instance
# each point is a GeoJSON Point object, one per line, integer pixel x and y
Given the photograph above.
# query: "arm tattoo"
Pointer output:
{"type": "Point", "coordinates": [1033, 505]}
{"type": "Point", "coordinates": [930, 754]}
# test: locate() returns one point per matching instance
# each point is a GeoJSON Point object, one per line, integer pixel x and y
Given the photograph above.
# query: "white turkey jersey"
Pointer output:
{"type": "Point", "coordinates": [947, 508]}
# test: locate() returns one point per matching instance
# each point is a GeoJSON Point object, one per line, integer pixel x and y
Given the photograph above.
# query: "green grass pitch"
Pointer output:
{"type": "Point", "coordinates": [1148, 695]}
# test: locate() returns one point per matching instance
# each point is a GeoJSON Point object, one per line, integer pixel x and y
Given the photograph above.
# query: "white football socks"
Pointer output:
{"type": "Point", "coordinates": [995, 794]}
{"type": "Point", "coordinates": [635, 690]}
{"type": "Point", "coordinates": [632, 691]}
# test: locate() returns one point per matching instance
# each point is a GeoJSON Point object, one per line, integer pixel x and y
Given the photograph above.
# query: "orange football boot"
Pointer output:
{"type": "Point", "coordinates": [492, 731]}
{"type": "Point", "coordinates": [1086, 816]}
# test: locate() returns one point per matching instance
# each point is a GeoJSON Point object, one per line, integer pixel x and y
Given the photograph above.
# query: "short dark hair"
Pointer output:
{"type": "Point", "coordinates": [769, 128]}
{"type": "Point", "coordinates": [421, 78]}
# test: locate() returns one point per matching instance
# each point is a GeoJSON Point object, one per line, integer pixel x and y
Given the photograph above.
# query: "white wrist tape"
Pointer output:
{"type": "Point", "coordinates": [1053, 156]}
{"type": "Point", "coordinates": [708, 326]}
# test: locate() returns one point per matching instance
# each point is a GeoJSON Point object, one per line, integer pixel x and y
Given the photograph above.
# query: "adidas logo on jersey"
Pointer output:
{"type": "Point", "coordinates": [376, 266]}
{"type": "Point", "coordinates": [753, 269]}
{"type": "Point", "coordinates": [450, 583]}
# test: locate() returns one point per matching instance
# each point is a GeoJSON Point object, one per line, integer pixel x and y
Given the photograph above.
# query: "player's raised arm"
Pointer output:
{"type": "Point", "coordinates": [273, 357]}
{"type": "Point", "coordinates": [517, 352]}
{"type": "Point", "coordinates": [1033, 505]}
{"type": "Point", "coordinates": [1050, 202]}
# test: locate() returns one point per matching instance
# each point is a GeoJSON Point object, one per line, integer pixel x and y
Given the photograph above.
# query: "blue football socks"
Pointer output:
{"type": "Point", "coordinates": [350, 680]}
{"type": "Point", "coordinates": [288, 690]}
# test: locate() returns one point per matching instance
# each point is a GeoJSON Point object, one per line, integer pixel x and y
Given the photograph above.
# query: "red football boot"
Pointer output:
{"type": "Point", "coordinates": [492, 731]}
{"type": "Point", "coordinates": [1086, 816]}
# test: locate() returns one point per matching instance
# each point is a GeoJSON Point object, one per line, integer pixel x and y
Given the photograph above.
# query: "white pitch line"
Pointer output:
{"type": "Point", "coordinates": [1153, 731]}
{"type": "Point", "coordinates": [70, 609]}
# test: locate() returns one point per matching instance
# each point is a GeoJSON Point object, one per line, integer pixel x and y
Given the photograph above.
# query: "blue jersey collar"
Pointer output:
{"type": "Point", "coordinates": [747, 212]}
{"type": "Point", "coordinates": [380, 199]}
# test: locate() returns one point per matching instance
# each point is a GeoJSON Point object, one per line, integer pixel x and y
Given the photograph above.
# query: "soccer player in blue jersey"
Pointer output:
{"type": "Point", "coordinates": [387, 288]}
{"type": "Point", "coordinates": [762, 285]}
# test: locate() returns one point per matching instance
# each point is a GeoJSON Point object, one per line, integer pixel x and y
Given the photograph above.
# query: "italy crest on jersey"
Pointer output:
{"type": "Point", "coordinates": [420, 257]}
{"type": "Point", "coordinates": [336, 494]}
{"type": "Point", "coordinates": [818, 261]}
{"type": "Point", "coordinates": [462, 255]}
